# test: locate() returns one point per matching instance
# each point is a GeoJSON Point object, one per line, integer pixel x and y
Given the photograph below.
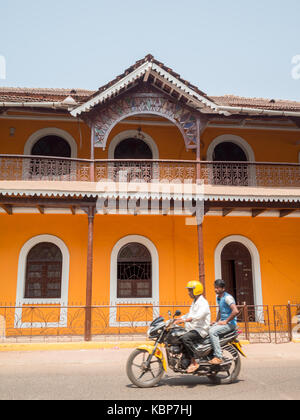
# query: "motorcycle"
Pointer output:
{"type": "Point", "coordinates": [147, 364]}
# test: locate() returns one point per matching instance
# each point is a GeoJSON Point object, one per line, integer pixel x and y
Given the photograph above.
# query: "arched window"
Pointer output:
{"type": "Point", "coordinates": [228, 151]}
{"type": "Point", "coordinates": [133, 148]}
{"type": "Point", "coordinates": [43, 272]}
{"type": "Point", "coordinates": [134, 271]}
{"type": "Point", "coordinates": [51, 146]}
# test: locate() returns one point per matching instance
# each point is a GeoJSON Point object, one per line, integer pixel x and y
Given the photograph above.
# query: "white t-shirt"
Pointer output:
{"type": "Point", "coordinates": [200, 314]}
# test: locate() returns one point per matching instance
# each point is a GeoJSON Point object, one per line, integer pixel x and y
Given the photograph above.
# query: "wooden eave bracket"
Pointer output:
{"type": "Point", "coordinates": [73, 210]}
{"type": "Point", "coordinates": [257, 212]}
{"type": "Point", "coordinates": [41, 209]}
{"type": "Point", "coordinates": [286, 212]}
{"type": "Point", "coordinates": [225, 212]}
{"type": "Point", "coordinates": [7, 208]}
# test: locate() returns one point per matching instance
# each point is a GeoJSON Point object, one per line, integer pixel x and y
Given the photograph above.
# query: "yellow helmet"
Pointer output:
{"type": "Point", "coordinates": [196, 286]}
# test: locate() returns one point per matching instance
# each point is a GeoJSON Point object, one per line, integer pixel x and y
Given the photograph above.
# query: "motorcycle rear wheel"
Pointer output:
{"type": "Point", "coordinates": [138, 375]}
{"type": "Point", "coordinates": [230, 376]}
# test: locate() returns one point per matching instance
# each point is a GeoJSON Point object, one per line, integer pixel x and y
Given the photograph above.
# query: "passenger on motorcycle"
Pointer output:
{"type": "Point", "coordinates": [226, 320]}
{"type": "Point", "coordinates": [197, 321]}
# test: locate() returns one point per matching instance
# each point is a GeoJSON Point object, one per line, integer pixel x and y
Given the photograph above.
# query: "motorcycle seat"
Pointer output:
{"type": "Point", "coordinates": [228, 334]}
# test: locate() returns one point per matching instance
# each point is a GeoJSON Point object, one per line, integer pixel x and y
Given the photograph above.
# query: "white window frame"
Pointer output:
{"type": "Point", "coordinates": [242, 143]}
{"type": "Point", "coordinates": [134, 134]}
{"type": "Point", "coordinates": [239, 141]}
{"type": "Point", "coordinates": [113, 280]}
{"type": "Point", "coordinates": [50, 131]}
{"type": "Point", "coordinates": [62, 301]}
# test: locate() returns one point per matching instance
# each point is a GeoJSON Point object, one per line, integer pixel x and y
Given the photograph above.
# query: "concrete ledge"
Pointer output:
{"type": "Point", "coordinates": [89, 345]}
{"type": "Point", "coordinates": [70, 346]}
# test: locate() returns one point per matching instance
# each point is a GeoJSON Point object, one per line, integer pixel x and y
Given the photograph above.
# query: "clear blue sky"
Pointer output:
{"type": "Point", "coordinates": [224, 47]}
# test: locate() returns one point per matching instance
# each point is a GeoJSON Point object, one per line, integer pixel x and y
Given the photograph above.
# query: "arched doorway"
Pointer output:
{"type": "Point", "coordinates": [230, 174]}
{"type": "Point", "coordinates": [236, 265]}
{"type": "Point", "coordinates": [130, 151]}
{"type": "Point", "coordinates": [234, 150]}
{"type": "Point", "coordinates": [50, 146]}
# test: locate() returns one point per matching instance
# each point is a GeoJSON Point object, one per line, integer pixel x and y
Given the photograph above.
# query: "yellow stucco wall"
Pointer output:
{"type": "Point", "coordinates": [278, 245]}
{"type": "Point", "coordinates": [276, 240]}
{"type": "Point", "coordinates": [268, 146]}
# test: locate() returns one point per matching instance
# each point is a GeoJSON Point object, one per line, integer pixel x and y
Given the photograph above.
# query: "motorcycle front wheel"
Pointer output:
{"type": "Point", "coordinates": [139, 374]}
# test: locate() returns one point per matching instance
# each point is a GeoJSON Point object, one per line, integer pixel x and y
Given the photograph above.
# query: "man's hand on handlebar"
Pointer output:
{"type": "Point", "coordinates": [179, 321]}
{"type": "Point", "coordinates": [182, 321]}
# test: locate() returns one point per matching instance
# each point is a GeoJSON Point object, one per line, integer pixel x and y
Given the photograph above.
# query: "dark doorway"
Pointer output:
{"type": "Point", "coordinates": [237, 272]}
{"type": "Point", "coordinates": [233, 173]}
{"type": "Point", "coordinates": [128, 170]}
{"type": "Point", "coordinates": [50, 146]}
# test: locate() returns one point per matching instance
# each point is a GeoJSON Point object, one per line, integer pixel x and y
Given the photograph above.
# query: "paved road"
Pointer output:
{"type": "Point", "coordinates": [269, 372]}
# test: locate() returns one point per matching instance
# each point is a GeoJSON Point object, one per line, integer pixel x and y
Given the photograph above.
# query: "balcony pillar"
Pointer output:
{"type": "Point", "coordinates": [92, 163]}
{"type": "Point", "coordinates": [89, 278]}
{"type": "Point", "coordinates": [199, 219]}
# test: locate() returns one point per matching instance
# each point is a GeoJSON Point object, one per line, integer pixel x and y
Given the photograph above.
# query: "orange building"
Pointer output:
{"type": "Point", "coordinates": [123, 195]}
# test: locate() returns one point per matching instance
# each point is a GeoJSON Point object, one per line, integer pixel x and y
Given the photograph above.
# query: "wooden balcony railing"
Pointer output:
{"type": "Point", "coordinates": [252, 174]}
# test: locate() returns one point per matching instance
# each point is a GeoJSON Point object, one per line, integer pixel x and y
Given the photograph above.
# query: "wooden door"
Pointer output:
{"type": "Point", "coordinates": [237, 272]}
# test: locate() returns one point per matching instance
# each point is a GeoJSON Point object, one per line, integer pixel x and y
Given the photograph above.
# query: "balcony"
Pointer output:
{"type": "Point", "coordinates": [239, 174]}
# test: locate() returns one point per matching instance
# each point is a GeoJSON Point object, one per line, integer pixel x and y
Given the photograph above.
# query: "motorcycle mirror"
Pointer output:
{"type": "Point", "coordinates": [169, 313]}
{"type": "Point", "coordinates": [177, 313]}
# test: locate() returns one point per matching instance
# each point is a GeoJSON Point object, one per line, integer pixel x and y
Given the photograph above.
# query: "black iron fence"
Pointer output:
{"type": "Point", "coordinates": [29, 323]}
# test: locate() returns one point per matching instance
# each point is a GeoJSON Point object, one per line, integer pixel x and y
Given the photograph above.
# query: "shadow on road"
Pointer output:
{"type": "Point", "coordinates": [187, 382]}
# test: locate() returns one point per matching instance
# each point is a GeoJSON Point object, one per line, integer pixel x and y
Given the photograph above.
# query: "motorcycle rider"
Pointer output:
{"type": "Point", "coordinates": [197, 321]}
{"type": "Point", "coordinates": [226, 320]}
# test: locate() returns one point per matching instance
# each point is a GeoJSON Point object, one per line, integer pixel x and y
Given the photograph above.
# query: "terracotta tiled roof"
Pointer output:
{"type": "Point", "coordinates": [262, 103]}
{"type": "Point", "coordinates": [15, 94]}
{"type": "Point", "coordinates": [81, 96]}
{"type": "Point", "coordinates": [148, 58]}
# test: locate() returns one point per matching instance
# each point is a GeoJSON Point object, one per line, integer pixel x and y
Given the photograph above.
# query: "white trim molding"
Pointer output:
{"type": "Point", "coordinates": [239, 141]}
{"type": "Point", "coordinates": [113, 280]}
{"type": "Point", "coordinates": [62, 301]}
{"type": "Point", "coordinates": [50, 131]}
{"type": "Point", "coordinates": [256, 271]}
{"type": "Point", "coordinates": [147, 66]}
